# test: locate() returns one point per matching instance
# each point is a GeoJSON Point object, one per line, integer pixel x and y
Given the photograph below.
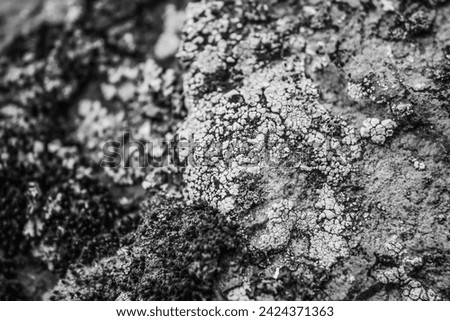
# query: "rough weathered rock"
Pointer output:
{"type": "Point", "coordinates": [314, 140]}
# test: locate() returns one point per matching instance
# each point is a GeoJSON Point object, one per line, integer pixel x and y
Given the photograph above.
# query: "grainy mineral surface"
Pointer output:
{"type": "Point", "coordinates": [299, 150]}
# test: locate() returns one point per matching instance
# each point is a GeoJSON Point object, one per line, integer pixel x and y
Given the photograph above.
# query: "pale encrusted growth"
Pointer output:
{"type": "Point", "coordinates": [418, 165]}
{"type": "Point", "coordinates": [280, 222]}
{"type": "Point", "coordinates": [401, 110]}
{"type": "Point", "coordinates": [133, 87]}
{"type": "Point", "coordinates": [327, 203]}
{"type": "Point", "coordinates": [254, 119]}
{"type": "Point", "coordinates": [378, 131]}
{"type": "Point", "coordinates": [271, 118]}
{"type": "Point", "coordinates": [168, 42]}
{"type": "Point", "coordinates": [399, 275]}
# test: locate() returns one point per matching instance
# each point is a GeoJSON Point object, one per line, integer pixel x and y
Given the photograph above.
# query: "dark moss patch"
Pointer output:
{"type": "Point", "coordinates": [178, 255]}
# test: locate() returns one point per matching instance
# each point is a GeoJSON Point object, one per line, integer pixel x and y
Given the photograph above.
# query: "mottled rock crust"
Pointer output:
{"type": "Point", "coordinates": [305, 152]}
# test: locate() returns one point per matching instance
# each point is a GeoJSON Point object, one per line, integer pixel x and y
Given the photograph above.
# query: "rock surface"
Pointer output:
{"type": "Point", "coordinates": [304, 152]}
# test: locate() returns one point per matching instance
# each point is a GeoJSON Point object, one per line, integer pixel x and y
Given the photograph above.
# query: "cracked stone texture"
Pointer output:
{"type": "Point", "coordinates": [320, 164]}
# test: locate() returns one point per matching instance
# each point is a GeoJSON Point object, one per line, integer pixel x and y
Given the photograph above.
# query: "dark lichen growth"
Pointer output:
{"type": "Point", "coordinates": [177, 254]}
{"type": "Point", "coordinates": [51, 208]}
{"type": "Point", "coordinates": [54, 207]}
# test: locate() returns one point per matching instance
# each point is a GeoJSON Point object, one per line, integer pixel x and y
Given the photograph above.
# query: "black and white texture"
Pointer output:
{"type": "Point", "coordinates": [294, 150]}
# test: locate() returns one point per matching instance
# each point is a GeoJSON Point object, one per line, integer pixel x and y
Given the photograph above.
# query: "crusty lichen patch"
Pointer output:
{"type": "Point", "coordinates": [260, 135]}
{"type": "Point", "coordinates": [314, 154]}
{"type": "Point", "coordinates": [254, 119]}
